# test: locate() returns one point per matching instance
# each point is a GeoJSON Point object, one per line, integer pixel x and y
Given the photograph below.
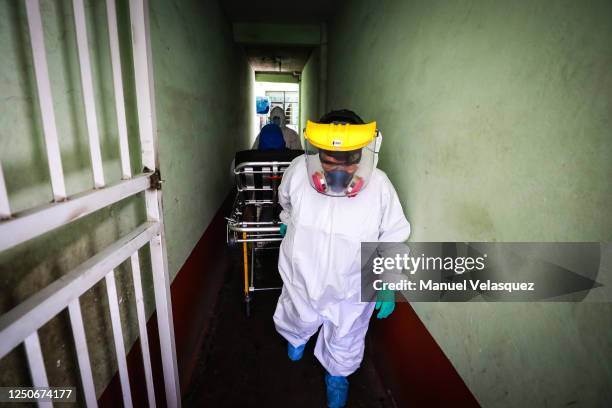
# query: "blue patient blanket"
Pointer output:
{"type": "Point", "coordinates": [271, 138]}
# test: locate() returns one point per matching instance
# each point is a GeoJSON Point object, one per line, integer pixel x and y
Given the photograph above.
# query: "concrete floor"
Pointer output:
{"type": "Point", "coordinates": [243, 361]}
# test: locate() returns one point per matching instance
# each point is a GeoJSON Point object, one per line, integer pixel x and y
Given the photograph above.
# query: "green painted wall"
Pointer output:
{"type": "Point", "coordinates": [496, 122]}
{"type": "Point", "coordinates": [204, 104]}
{"type": "Point", "coordinates": [309, 90]}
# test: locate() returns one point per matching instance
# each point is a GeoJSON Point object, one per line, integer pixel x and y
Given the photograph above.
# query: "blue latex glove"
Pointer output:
{"type": "Point", "coordinates": [283, 230]}
{"type": "Point", "coordinates": [385, 303]}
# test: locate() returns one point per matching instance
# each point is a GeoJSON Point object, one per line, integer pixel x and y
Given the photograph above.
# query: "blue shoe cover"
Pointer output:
{"type": "Point", "coordinates": [295, 353]}
{"type": "Point", "coordinates": [337, 390]}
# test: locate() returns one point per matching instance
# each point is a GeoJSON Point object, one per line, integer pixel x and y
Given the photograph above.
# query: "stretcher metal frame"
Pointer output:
{"type": "Point", "coordinates": [255, 235]}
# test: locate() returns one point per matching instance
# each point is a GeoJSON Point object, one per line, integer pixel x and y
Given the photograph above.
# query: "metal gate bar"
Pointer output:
{"type": "Point", "coordinates": [126, 173]}
{"type": "Point", "coordinates": [143, 74]}
{"type": "Point", "coordinates": [32, 223]}
{"type": "Point", "coordinates": [45, 100]}
{"type": "Point", "coordinates": [113, 39]}
{"type": "Point", "coordinates": [21, 324]}
{"type": "Point", "coordinates": [37, 364]}
{"type": "Point", "coordinates": [88, 93]}
{"type": "Point", "coordinates": [80, 343]}
{"type": "Point", "coordinates": [142, 328]}
{"type": "Point", "coordinates": [5, 208]}
{"type": "Point", "coordinates": [113, 304]}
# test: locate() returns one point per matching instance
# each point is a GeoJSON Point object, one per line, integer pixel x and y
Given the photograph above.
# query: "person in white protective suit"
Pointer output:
{"type": "Point", "coordinates": [292, 140]}
{"type": "Point", "coordinates": [333, 198]}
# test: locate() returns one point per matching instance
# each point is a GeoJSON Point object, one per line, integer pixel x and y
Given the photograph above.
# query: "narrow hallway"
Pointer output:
{"type": "Point", "coordinates": [145, 144]}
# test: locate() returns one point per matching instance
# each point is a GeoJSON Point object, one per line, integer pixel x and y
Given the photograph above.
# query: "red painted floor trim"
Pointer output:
{"type": "Point", "coordinates": [412, 365]}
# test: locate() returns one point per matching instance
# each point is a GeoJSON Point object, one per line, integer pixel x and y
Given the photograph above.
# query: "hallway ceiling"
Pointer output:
{"type": "Point", "coordinates": [288, 11]}
{"type": "Point", "coordinates": [266, 57]}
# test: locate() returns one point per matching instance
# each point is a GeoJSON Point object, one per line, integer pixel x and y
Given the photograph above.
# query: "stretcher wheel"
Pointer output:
{"type": "Point", "coordinates": [247, 305]}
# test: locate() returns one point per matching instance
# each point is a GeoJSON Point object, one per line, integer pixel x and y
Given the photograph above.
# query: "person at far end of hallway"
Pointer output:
{"type": "Point", "coordinates": [334, 198]}
{"type": "Point", "coordinates": [292, 140]}
{"type": "Point", "coordinates": [277, 117]}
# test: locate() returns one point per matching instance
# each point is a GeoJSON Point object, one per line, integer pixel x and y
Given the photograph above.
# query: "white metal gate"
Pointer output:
{"type": "Point", "coordinates": [21, 324]}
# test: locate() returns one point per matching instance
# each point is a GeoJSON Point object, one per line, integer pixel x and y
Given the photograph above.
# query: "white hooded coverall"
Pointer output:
{"type": "Point", "coordinates": [320, 263]}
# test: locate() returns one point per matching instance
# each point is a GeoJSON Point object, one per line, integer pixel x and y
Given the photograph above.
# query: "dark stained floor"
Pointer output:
{"type": "Point", "coordinates": [244, 363]}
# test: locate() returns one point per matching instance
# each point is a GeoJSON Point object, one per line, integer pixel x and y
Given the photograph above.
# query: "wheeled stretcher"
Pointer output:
{"type": "Point", "coordinates": [254, 221]}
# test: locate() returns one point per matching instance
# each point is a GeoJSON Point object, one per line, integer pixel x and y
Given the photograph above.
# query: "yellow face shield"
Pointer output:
{"type": "Point", "coordinates": [339, 136]}
{"type": "Point", "coordinates": [340, 158]}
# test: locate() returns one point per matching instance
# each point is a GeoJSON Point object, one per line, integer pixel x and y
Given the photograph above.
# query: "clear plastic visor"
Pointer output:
{"type": "Point", "coordinates": [337, 173]}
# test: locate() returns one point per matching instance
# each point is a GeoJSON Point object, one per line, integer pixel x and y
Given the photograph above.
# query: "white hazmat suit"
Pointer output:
{"type": "Point", "coordinates": [319, 263]}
